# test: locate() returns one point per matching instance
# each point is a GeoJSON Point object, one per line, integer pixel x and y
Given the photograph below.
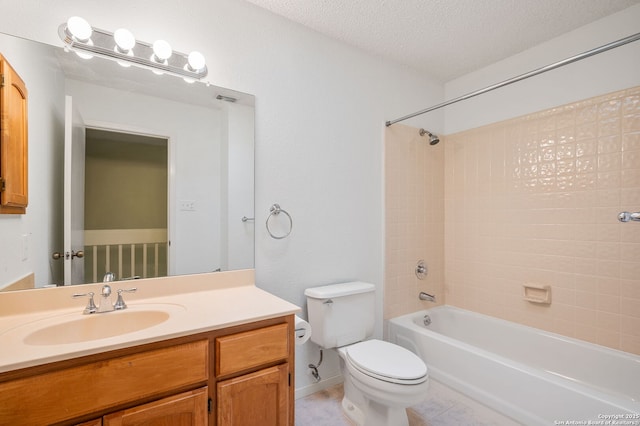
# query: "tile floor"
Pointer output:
{"type": "Point", "coordinates": [443, 407]}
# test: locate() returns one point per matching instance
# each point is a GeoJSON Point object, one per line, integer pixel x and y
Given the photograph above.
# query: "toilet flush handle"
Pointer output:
{"type": "Point", "coordinates": [328, 302]}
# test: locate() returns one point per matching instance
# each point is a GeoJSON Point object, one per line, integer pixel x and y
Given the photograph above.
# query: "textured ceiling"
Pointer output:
{"type": "Point", "coordinates": [445, 38]}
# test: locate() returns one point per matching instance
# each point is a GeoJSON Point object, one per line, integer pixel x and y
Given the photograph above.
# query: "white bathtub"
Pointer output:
{"type": "Point", "coordinates": [531, 375]}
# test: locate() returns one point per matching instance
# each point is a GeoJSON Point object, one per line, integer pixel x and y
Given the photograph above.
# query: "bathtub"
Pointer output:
{"type": "Point", "coordinates": [530, 375]}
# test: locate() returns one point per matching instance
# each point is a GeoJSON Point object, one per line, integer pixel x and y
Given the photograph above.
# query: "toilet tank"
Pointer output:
{"type": "Point", "coordinates": [341, 314]}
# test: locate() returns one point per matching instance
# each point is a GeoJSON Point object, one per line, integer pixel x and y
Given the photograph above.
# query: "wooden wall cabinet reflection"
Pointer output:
{"type": "Point", "coordinates": [13, 141]}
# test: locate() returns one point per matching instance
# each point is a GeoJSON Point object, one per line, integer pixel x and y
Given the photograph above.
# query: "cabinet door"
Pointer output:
{"type": "Point", "coordinates": [185, 409]}
{"type": "Point", "coordinates": [13, 140]}
{"type": "Point", "coordinates": [260, 398]}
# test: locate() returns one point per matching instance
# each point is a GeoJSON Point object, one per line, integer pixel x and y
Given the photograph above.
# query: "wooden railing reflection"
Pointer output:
{"type": "Point", "coordinates": [125, 252]}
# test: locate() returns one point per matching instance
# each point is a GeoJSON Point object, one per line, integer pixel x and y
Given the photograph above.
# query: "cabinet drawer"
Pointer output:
{"type": "Point", "coordinates": [117, 381]}
{"type": "Point", "coordinates": [250, 349]}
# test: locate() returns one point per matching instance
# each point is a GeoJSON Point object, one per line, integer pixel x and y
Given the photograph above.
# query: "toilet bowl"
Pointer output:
{"type": "Point", "coordinates": [380, 381]}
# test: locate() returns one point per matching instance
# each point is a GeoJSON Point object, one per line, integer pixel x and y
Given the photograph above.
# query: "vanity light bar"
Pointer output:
{"type": "Point", "coordinates": [98, 42]}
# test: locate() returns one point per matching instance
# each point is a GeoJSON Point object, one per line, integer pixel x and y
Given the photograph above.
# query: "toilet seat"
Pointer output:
{"type": "Point", "coordinates": [387, 362]}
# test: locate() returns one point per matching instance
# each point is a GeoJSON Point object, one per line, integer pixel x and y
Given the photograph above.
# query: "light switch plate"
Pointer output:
{"type": "Point", "coordinates": [188, 205]}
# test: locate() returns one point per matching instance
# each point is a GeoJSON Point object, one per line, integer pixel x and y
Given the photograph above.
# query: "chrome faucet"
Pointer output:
{"type": "Point", "coordinates": [105, 304]}
{"type": "Point", "coordinates": [427, 296]}
{"type": "Point", "coordinates": [108, 277]}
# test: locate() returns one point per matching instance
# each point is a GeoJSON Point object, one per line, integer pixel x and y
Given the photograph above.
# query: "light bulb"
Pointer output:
{"type": "Point", "coordinates": [196, 61]}
{"type": "Point", "coordinates": [79, 28]}
{"type": "Point", "coordinates": [124, 40]}
{"type": "Point", "coordinates": [161, 50]}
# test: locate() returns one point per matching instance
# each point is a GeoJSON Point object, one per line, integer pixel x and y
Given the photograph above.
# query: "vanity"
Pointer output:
{"type": "Point", "coordinates": [204, 349]}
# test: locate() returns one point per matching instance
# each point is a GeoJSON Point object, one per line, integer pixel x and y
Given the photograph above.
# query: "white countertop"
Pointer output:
{"type": "Point", "coordinates": [196, 303]}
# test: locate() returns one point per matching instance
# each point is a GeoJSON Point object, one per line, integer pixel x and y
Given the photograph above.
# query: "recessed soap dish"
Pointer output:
{"type": "Point", "coordinates": [537, 293]}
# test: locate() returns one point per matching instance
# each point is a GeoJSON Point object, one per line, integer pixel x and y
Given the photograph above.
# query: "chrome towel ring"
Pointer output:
{"type": "Point", "coordinates": [275, 210]}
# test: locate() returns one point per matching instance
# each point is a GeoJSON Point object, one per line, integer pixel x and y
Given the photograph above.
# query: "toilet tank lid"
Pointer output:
{"type": "Point", "coordinates": [337, 290]}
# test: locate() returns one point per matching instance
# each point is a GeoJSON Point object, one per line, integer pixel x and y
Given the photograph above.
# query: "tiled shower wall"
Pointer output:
{"type": "Point", "coordinates": [535, 200]}
{"type": "Point", "coordinates": [414, 218]}
{"type": "Point", "coordinates": [529, 200]}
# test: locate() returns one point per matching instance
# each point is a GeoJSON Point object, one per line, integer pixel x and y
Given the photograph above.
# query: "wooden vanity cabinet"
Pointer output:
{"type": "Point", "coordinates": [246, 390]}
{"type": "Point", "coordinates": [235, 376]}
{"type": "Point", "coordinates": [13, 141]}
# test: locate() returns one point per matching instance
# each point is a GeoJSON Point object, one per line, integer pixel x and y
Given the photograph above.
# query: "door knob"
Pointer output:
{"type": "Point", "coordinates": [56, 255]}
{"type": "Point", "coordinates": [71, 255]}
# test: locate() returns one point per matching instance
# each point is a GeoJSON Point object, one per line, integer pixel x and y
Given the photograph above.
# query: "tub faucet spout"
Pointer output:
{"type": "Point", "coordinates": [427, 296]}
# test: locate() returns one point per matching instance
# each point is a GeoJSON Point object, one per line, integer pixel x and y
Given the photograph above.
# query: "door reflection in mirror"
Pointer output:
{"type": "Point", "coordinates": [126, 193]}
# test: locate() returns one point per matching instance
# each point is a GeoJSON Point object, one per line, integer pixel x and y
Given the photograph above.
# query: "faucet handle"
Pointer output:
{"type": "Point", "coordinates": [91, 307]}
{"type": "Point", "coordinates": [120, 301]}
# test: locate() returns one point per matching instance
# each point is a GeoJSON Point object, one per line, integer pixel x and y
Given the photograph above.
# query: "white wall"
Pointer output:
{"type": "Point", "coordinates": [320, 113]}
{"type": "Point", "coordinates": [607, 72]}
{"type": "Point", "coordinates": [240, 176]}
{"type": "Point", "coordinates": [38, 229]}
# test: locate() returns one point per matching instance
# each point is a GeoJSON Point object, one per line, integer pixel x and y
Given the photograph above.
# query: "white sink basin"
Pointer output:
{"type": "Point", "coordinates": [96, 326]}
{"type": "Point", "coordinates": [77, 328]}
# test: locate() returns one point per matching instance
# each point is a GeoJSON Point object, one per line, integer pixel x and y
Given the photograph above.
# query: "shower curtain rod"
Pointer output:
{"type": "Point", "coordinates": [520, 77]}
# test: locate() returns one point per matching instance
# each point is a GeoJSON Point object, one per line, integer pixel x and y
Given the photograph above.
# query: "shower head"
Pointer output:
{"type": "Point", "coordinates": [433, 139]}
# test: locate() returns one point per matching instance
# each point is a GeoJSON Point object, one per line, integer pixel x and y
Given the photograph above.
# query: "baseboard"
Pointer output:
{"type": "Point", "coordinates": [315, 387]}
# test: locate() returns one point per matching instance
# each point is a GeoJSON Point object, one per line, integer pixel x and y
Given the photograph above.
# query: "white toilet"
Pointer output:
{"type": "Point", "coordinates": [380, 379]}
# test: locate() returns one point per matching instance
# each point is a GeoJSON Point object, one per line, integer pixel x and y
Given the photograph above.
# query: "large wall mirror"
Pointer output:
{"type": "Point", "coordinates": [130, 172]}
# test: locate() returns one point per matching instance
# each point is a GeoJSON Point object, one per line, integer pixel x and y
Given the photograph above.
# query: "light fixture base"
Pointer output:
{"type": "Point", "coordinates": [102, 44]}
